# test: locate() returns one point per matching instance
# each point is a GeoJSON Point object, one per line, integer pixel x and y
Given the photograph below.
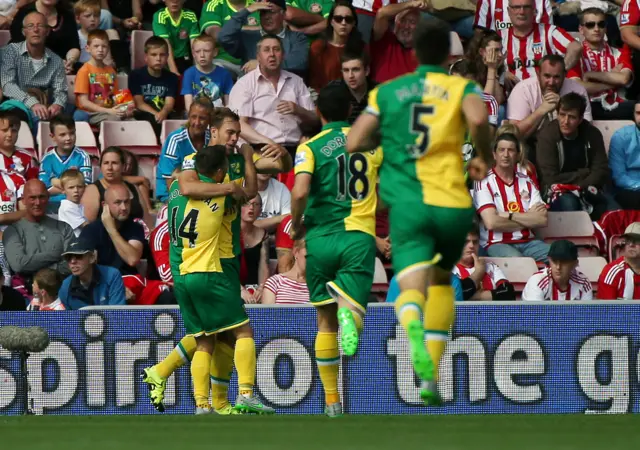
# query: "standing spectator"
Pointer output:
{"type": "Point", "coordinates": [159, 242]}
{"type": "Point", "coordinates": [276, 202]}
{"type": "Point", "coordinates": [290, 287]}
{"type": "Point", "coordinates": [561, 280]}
{"type": "Point", "coordinates": [494, 14]}
{"type": "Point", "coordinates": [89, 284]}
{"type": "Point", "coordinates": [510, 206]}
{"type": "Point", "coordinates": [267, 115]}
{"type": "Point", "coordinates": [14, 159]}
{"type": "Point", "coordinates": [255, 251]}
{"type": "Point", "coordinates": [533, 102]}
{"type": "Point", "coordinates": [46, 284]}
{"type": "Point", "coordinates": [355, 76]}
{"type": "Point", "coordinates": [71, 210]}
{"type": "Point", "coordinates": [178, 27]}
{"type": "Point", "coordinates": [624, 162]}
{"type": "Point", "coordinates": [620, 279]}
{"type": "Point", "coordinates": [602, 69]}
{"type": "Point", "coordinates": [29, 72]}
{"type": "Point", "coordinates": [326, 52]}
{"type": "Point", "coordinates": [571, 151]}
{"type": "Point", "coordinates": [487, 58]}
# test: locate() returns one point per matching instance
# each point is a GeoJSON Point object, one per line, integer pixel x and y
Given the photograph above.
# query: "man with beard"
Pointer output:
{"type": "Point", "coordinates": [620, 279]}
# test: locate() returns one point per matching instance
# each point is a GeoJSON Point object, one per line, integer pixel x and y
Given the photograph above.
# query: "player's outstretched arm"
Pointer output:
{"type": "Point", "coordinates": [363, 135]}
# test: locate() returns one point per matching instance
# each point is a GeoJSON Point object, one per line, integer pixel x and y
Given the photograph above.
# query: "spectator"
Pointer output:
{"type": "Point", "coordinates": [255, 251]}
{"type": "Point", "coordinates": [153, 87]}
{"type": "Point", "coordinates": [464, 68]}
{"type": "Point", "coordinates": [561, 280]}
{"type": "Point", "coordinates": [190, 138]}
{"type": "Point", "coordinates": [10, 299]}
{"type": "Point", "coordinates": [494, 14]}
{"type": "Point", "coordinates": [131, 174]}
{"type": "Point", "coordinates": [62, 157]}
{"type": "Point", "coordinates": [524, 166]}
{"type": "Point", "coordinates": [624, 162]}
{"type": "Point", "coordinates": [290, 287]}
{"type": "Point", "coordinates": [111, 168]}
{"type": "Point", "coordinates": [29, 72]}
{"type": "Point", "coordinates": [602, 69]}
{"type": "Point", "coordinates": [159, 242]}
{"type": "Point", "coordinates": [571, 151]}
{"type": "Point", "coordinates": [620, 279]}
{"type": "Point", "coordinates": [143, 292]}
{"type": "Point", "coordinates": [46, 285]}
{"type": "Point", "coordinates": [326, 52]}
{"type": "Point", "coordinates": [125, 14]}
{"type": "Point", "coordinates": [308, 16]}
{"type": "Point", "coordinates": [89, 284]}
{"type": "Point", "coordinates": [480, 279]}
{"type": "Point", "coordinates": [487, 58]}
{"type": "Point", "coordinates": [205, 79]}
{"type": "Point", "coordinates": [61, 35]}
{"type": "Point", "coordinates": [14, 159]}
{"type": "Point", "coordinates": [36, 241]}
{"type": "Point", "coordinates": [178, 27]}
{"type": "Point", "coordinates": [71, 210]}
{"type": "Point", "coordinates": [284, 245]}
{"type": "Point", "coordinates": [276, 202]}
{"type": "Point", "coordinates": [629, 20]}
{"type": "Point", "coordinates": [533, 102]}
{"type": "Point", "coordinates": [510, 206]}
{"type": "Point", "coordinates": [87, 14]}
{"type": "Point", "coordinates": [355, 76]}
{"type": "Point", "coordinates": [392, 47]}
{"type": "Point", "coordinates": [244, 44]}
{"type": "Point", "coordinates": [268, 116]}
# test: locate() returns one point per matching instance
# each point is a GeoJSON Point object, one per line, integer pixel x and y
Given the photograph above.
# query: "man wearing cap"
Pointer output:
{"type": "Point", "coordinates": [561, 280]}
{"type": "Point", "coordinates": [620, 279]}
{"type": "Point", "coordinates": [89, 283]}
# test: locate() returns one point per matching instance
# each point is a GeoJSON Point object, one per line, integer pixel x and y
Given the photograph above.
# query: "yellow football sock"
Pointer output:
{"type": "Point", "coordinates": [245, 361]}
{"type": "Point", "coordinates": [409, 306]}
{"type": "Point", "coordinates": [200, 365]}
{"type": "Point", "coordinates": [221, 369]}
{"type": "Point", "coordinates": [328, 360]}
{"type": "Point", "coordinates": [439, 316]}
{"type": "Point", "coordinates": [179, 356]}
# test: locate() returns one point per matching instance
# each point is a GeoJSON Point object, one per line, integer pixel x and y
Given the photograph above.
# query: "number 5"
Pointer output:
{"type": "Point", "coordinates": [421, 128]}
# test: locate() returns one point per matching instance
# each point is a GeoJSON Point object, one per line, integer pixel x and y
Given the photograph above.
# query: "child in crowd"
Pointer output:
{"type": "Point", "coordinates": [62, 157]}
{"type": "Point", "coordinates": [71, 211]}
{"type": "Point", "coordinates": [46, 284]}
{"type": "Point", "coordinates": [96, 85]}
{"type": "Point", "coordinates": [154, 88]}
{"type": "Point", "coordinates": [87, 14]}
{"type": "Point", "coordinates": [178, 26]}
{"type": "Point", "coordinates": [12, 158]}
{"type": "Point", "coordinates": [205, 79]}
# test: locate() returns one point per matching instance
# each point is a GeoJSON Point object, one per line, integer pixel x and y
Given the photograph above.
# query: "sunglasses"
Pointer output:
{"type": "Point", "coordinates": [346, 19]}
{"type": "Point", "coordinates": [591, 25]}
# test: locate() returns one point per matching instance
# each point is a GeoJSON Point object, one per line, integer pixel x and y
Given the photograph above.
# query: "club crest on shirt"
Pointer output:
{"type": "Point", "coordinates": [316, 8]}
{"type": "Point", "coordinates": [9, 194]}
{"type": "Point", "coordinates": [513, 207]}
{"type": "Point", "coordinates": [183, 34]}
{"type": "Point", "coordinates": [251, 21]}
{"type": "Point", "coordinates": [624, 19]}
{"type": "Point", "coordinates": [524, 195]}
{"type": "Point", "coordinates": [235, 167]}
{"type": "Point", "coordinates": [537, 48]}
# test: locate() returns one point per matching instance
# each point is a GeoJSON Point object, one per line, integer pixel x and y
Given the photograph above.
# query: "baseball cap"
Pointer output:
{"type": "Point", "coordinates": [281, 3]}
{"type": "Point", "coordinates": [633, 231]}
{"type": "Point", "coordinates": [563, 250]}
{"type": "Point", "coordinates": [79, 247]}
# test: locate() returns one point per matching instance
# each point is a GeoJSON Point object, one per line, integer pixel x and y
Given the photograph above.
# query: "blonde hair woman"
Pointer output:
{"type": "Point", "coordinates": [289, 287]}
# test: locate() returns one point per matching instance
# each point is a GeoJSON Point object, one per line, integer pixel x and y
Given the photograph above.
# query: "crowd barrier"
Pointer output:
{"type": "Point", "coordinates": [512, 357]}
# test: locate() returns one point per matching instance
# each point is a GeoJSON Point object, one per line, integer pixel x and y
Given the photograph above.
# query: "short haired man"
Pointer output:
{"type": "Point", "coordinates": [624, 162]}
{"type": "Point", "coordinates": [494, 14]}
{"type": "Point", "coordinates": [620, 279]}
{"type": "Point", "coordinates": [561, 280]}
{"type": "Point", "coordinates": [355, 77]}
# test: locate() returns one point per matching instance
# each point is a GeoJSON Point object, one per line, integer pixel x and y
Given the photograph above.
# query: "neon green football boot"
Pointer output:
{"type": "Point", "coordinates": [156, 385]}
{"type": "Point", "coordinates": [348, 331]}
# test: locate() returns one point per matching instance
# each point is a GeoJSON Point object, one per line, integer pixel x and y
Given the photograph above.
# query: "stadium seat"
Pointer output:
{"type": "Point", "coordinates": [137, 137]}
{"type": "Point", "coordinates": [123, 81]}
{"type": "Point", "coordinates": [575, 226]}
{"type": "Point", "coordinates": [5, 37]}
{"type": "Point", "coordinates": [25, 139]}
{"type": "Point", "coordinates": [517, 270]}
{"type": "Point", "coordinates": [138, 38]}
{"type": "Point", "coordinates": [168, 127]}
{"type": "Point", "coordinates": [592, 267]}
{"type": "Point", "coordinates": [616, 244]}
{"type": "Point", "coordinates": [608, 127]}
{"type": "Point", "coordinates": [147, 168]}
{"type": "Point", "coordinates": [71, 87]}
{"type": "Point", "coordinates": [84, 139]}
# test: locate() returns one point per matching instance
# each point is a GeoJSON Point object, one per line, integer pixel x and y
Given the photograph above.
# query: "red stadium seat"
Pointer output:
{"type": "Point", "coordinates": [575, 226]}
{"type": "Point", "coordinates": [168, 127]}
{"type": "Point", "coordinates": [608, 127]}
{"type": "Point", "coordinates": [591, 267]}
{"type": "Point", "coordinates": [138, 38]}
{"type": "Point", "coordinates": [137, 137]}
{"type": "Point", "coordinates": [517, 270]}
{"type": "Point", "coordinates": [5, 37]}
{"type": "Point", "coordinates": [25, 139]}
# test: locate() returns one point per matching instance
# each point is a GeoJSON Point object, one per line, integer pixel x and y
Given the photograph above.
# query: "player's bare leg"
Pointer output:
{"type": "Point", "coordinates": [328, 357]}
{"type": "Point", "coordinates": [200, 366]}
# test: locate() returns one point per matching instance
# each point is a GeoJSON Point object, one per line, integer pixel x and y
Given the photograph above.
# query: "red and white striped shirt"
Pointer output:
{"type": "Point", "coordinates": [11, 190]}
{"type": "Point", "coordinates": [34, 305]}
{"type": "Point", "coordinates": [493, 14]}
{"type": "Point", "coordinates": [159, 242]}
{"type": "Point", "coordinates": [618, 281]}
{"type": "Point", "coordinates": [287, 291]}
{"type": "Point", "coordinates": [523, 53]}
{"type": "Point", "coordinates": [372, 6]}
{"type": "Point", "coordinates": [20, 162]}
{"type": "Point", "coordinates": [630, 14]}
{"type": "Point", "coordinates": [519, 196]}
{"type": "Point", "coordinates": [492, 108]}
{"type": "Point", "coordinates": [493, 275]}
{"type": "Point", "coordinates": [283, 234]}
{"type": "Point", "coordinates": [542, 287]}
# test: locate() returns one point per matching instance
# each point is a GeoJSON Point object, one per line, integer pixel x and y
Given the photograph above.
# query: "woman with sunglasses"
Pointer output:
{"type": "Point", "coordinates": [341, 33]}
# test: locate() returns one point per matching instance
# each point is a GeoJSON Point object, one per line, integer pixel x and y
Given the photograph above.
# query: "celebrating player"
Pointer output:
{"type": "Point", "coordinates": [422, 181]}
{"type": "Point", "coordinates": [336, 192]}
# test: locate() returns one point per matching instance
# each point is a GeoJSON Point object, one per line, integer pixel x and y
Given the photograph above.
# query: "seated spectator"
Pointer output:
{"type": "Point", "coordinates": [159, 243]}
{"type": "Point", "coordinates": [178, 26]}
{"type": "Point", "coordinates": [255, 251]}
{"type": "Point", "coordinates": [326, 52]}
{"type": "Point", "coordinates": [355, 76]}
{"type": "Point", "coordinates": [253, 98]}
{"type": "Point", "coordinates": [111, 167]}
{"type": "Point", "coordinates": [624, 162]}
{"type": "Point", "coordinates": [144, 292]}
{"type": "Point", "coordinates": [89, 284]}
{"type": "Point", "coordinates": [570, 151]}
{"type": "Point", "coordinates": [32, 75]}
{"type": "Point", "coordinates": [36, 241]}
{"type": "Point", "coordinates": [131, 174]}
{"type": "Point", "coordinates": [602, 69]}
{"type": "Point", "coordinates": [190, 138]}
{"type": "Point", "coordinates": [284, 245]}
{"type": "Point", "coordinates": [533, 102]}
{"type": "Point", "coordinates": [244, 44]}
{"type": "Point", "coordinates": [486, 54]}
{"type": "Point", "coordinates": [126, 15]}
{"type": "Point", "coordinates": [510, 206]}
{"type": "Point", "coordinates": [561, 280]}
{"type": "Point", "coordinates": [392, 47]}
{"type": "Point", "coordinates": [153, 87]}
{"type": "Point", "coordinates": [620, 279]}
{"type": "Point", "coordinates": [71, 210]}
{"type": "Point", "coordinates": [290, 287]}
{"type": "Point", "coordinates": [64, 156]}
{"type": "Point", "coordinates": [10, 299]}
{"type": "Point", "coordinates": [205, 79]}
{"type": "Point", "coordinates": [87, 14]}
{"type": "Point", "coordinates": [524, 166]}
{"type": "Point", "coordinates": [46, 284]}
{"type": "Point", "coordinates": [494, 15]}
{"type": "Point", "coordinates": [394, 289]}
{"type": "Point", "coordinates": [14, 159]}
{"type": "Point", "coordinates": [276, 202]}
{"type": "Point", "coordinates": [117, 237]}
{"type": "Point", "coordinates": [481, 280]}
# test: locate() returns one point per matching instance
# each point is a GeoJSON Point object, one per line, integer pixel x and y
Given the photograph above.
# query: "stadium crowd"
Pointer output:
{"type": "Point", "coordinates": [558, 213]}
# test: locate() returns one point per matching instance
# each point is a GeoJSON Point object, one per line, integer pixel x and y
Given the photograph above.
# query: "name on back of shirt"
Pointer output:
{"type": "Point", "coordinates": [334, 144]}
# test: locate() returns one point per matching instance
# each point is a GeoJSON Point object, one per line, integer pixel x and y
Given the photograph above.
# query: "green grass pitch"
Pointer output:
{"type": "Point", "coordinates": [490, 432]}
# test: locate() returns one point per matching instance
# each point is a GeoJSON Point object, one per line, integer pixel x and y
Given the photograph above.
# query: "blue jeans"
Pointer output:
{"type": "Point", "coordinates": [106, 20]}
{"type": "Point", "coordinates": [535, 249]}
{"type": "Point", "coordinates": [80, 116]}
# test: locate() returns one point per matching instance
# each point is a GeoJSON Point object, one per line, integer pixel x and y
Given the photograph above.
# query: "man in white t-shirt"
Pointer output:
{"type": "Point", "coordinates": [561, 280]}
{"type": "Point", "coordinates": [276, 202]}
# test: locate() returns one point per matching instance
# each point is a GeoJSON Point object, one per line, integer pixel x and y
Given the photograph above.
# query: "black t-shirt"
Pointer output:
{"type": "Point", "coordinates": [121, 8]}
{"type": "Point", "coordinates": [575, 155]}
{"type": "Point", "coordinates": [96, 233]}
{"type": "Point", "coordinates": [153, 89]}
{"type": "Point", "coordinates": [12, 300]}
